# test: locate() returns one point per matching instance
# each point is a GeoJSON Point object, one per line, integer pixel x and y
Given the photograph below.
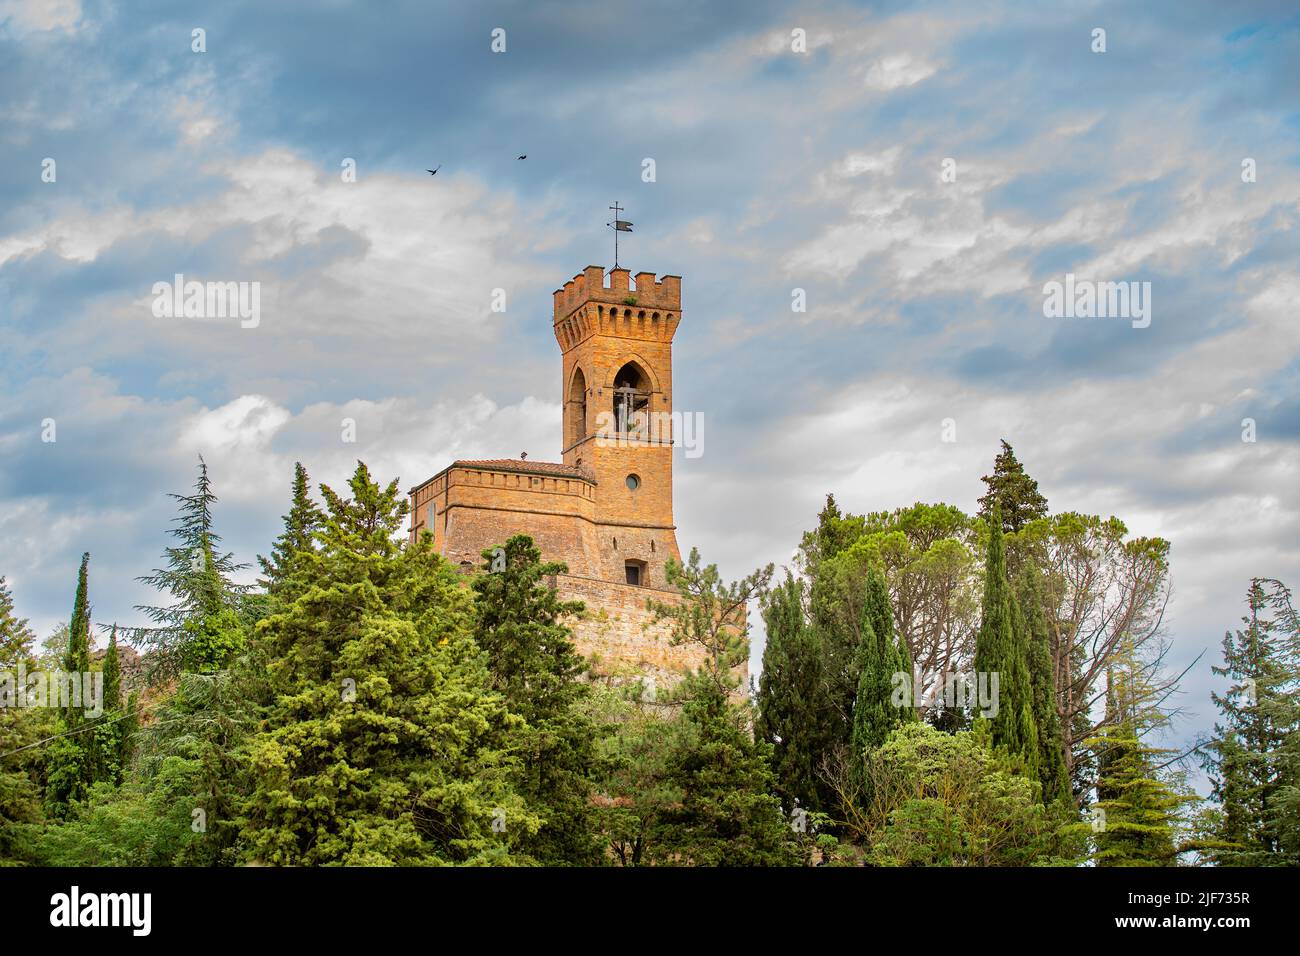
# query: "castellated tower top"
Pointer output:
{"type": "Point", "coordinates": [647, 309]}
{"type": "Point", "coordinates": [590, 285]}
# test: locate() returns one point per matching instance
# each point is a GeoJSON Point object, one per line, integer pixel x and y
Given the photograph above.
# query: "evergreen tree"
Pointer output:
{"type": "Point", "coordinates": [203, 630]}
{"type": "Point", "coordinates": [1052, 772]}
{"type": "Point", "coordinates": [300, 525]}
{"type": "Point", "coordinates": [711, 615]}
{"type": "Point", "coordinates": [878, 706]}
{"type": "Point", "coordinates": [1246, 759]}
{"type": "Point", "coordinates": [76, 659]}
{"type": "Point", "coordinates": [1140, 811]}
{"type": "Point", "coordinates": [384, 742]}
{"type": "Point", "coordinates": [72, 759]}
{"type": "Point", "coordinates": [794, 715]}
{"type": "Point", "coordinates": [533, 664]}
{"type": "Point", "coordinates": [1011, 492]}
{"type": "Point", "coordinates": [1002, 648]}
{"type": "Point", "coordinates": [729, 814]}
{"type": "Point", "coordinates": [20, 728]}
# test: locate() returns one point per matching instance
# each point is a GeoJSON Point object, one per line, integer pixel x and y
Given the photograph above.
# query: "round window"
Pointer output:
{"type": "Point", "coordinates": [633, 482]}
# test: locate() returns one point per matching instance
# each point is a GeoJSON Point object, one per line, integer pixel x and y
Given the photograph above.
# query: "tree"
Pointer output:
{"type": "Point", "coordinates": [534, 665]}
{"type": "Point", "coordinates": [1102, 592]}
{"type": "Point", "coordinates": [1247, 756]}
{"type": "Point", "coordinates": [20, 729]}
{"type": "Point", "coordinates": [114, 726]}
{"type": "Point", "coordinates": [1051, 745]}
{"type": "Point", "coordinates": [1001, 651]}
{"type": "Point", "coordinates": [203, 629]}
{"type": "Point", "coordinates": [1011, 493]}
{"type": "Point", "coordinates": [883, 661]}
{"type": "Point", "coordinates": [711, 614]}
{"type": "Point", "coordinates": [1139, 810]}
{"type": "Point", "coordinates": [937, 799]}
{"type": "Point", "coordinates": [300, 525]}
{"type": "Point", "coordinates": [794, 715]}
{"type": "Point", "coordinates": [72, 762]}
{"type": "Point", "coordinates": [384, 743]}
{"type": "Point", "coordinates": [729, 814]}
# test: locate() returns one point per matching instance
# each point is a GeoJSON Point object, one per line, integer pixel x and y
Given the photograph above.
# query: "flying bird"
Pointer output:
{"type": "Point", "coordinates": [525, 156]}
{"type": "Point", "coordinates": [434, 172]}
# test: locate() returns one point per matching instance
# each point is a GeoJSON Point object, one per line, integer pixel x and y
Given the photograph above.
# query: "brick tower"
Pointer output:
{"type": "Point", "coordinates": [617, 378]}
{"type": "Point", "coordinates": [605, 509]}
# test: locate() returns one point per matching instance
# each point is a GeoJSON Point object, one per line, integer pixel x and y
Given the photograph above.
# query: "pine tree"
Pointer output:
{"type": "Point", "coordinates": [300, 524]}
{"type": "Point", "coordinates": [384, 742]}
{"type": "Point", "coordinates": [794, 715]}
{"type": "Point", "coordinates": [1012, 491]}
{"type": "Point", "coordinates": [203, 629]}
{"type": "Point", "coordinates": [1246, 759]}
{"type": "Point", "coordinates": [534, 665]}
{"type": "Point", "coordinates": [1002, 648]}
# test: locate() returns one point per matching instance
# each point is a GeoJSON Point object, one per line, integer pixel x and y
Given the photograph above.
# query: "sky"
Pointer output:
{"type": "Point", "coordinates": [795, 146]}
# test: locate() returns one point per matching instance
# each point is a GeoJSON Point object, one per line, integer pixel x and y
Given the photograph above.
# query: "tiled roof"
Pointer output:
{"type": "Point", "coordinates": [521, 466]}
{"type": "Point", "coordinates": [558, 469]}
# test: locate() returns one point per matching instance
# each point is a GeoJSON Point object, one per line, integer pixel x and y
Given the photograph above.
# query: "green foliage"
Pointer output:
{"type": "Point", "coordinates": [194, 633]}
{"type": "Point", "coordinates": [384, 743]}
{"type": "Point", "coordinates": [1141, 811]}
{"type": "Point", "coordinates": [794, 715]}
{"type": "Point", "coordinates": [728, 814]}
{"type": "Point", "coordinates": [1012, 495]}
{"type": "Point", "coordinates": [711, 615]}
{"type": "Point", "coordinates": [533, 664]}
{"type": "Point", "coordinates": [20, 728]}
{"type": "Point", "coordinates": [881, 704]}
{"type": "Point", "coordinates": [689, 788]}
{"type": "Point", "coordinates": [138, 824]}
{"type": "Point", "coordinates": [1002, 649]}
{"type": "Point", "coordinates": [297, 538]}
{"type": "Point", "coordinates": [941, 799]}
{"type": "Point", "coordinates": [1052, 773]}
{"type": "Point", "coordinates": [1251, 758]}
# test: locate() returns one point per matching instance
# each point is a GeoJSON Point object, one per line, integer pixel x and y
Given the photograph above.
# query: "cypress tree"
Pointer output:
{"type": "Point", "coordinates": [1047, 724]}
{"type": "Point", "coordinates": [881, 655]}
{"type": "Point", "coordinates": [1001, 647]}
{"type": "Point", "coordinates": [72, 758]}
{"type": "Point", "coordinates": [795, 715]}
{"type": "Point", "coordinates": [76, 660]}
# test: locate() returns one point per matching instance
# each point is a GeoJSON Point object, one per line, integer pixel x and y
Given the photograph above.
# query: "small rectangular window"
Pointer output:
{"type": "Point", "coordinates": [633, 573]}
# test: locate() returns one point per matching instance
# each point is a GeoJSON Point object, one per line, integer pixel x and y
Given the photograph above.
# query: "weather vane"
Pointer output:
{"type": "Point", "coordinates": [618, 225]}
